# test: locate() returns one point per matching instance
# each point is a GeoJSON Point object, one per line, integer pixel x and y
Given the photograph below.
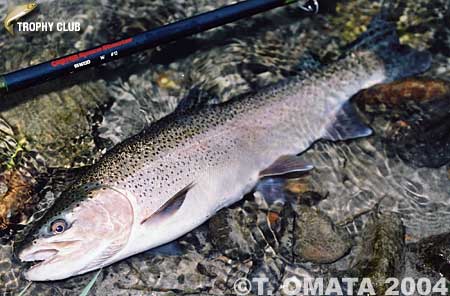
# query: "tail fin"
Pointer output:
{"type": "Point", "coordinates": [400, 60]}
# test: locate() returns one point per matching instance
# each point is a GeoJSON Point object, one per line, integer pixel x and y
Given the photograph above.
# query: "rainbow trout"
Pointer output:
{"type": "Point", "coordinates": [175, 174]}
{"type": "Point", "coordinates": [15, 13]}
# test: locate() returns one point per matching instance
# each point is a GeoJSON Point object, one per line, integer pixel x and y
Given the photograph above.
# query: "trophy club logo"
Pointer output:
{"type": "Point", "coordinates": [15, 13]}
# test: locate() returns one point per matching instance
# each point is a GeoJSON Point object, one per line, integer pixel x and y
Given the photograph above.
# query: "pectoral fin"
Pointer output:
{"type": "Point", "coordinates": [287, 164]}
{"type": "Point", "coordinates": [171, 206]}
{"type": "Point", "coordinates": [347, 125]}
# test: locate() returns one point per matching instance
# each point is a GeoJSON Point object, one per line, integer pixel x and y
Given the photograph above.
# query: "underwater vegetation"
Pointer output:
{"type": "Point", "coordinates": [387, 193]}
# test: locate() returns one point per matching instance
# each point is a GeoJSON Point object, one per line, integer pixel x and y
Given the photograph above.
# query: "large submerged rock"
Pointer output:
{"type": "Point", "coordinates": [433, 255]}
{"type": "Point", "coordinates": [381, 253]}
{"type": "Point", "coordinates": [416, 119]}
{"type": "Point", "coordinates": [317, 239]}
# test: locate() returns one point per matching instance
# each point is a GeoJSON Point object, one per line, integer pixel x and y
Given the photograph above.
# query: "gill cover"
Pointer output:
{"type": "Point", "coordinates": [118, 207]}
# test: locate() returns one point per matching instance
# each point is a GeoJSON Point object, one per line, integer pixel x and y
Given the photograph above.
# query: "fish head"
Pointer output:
{"type": "Point", "coordinates": [81, 232]}
{"type": "Point", "coordinates": [31, 6]}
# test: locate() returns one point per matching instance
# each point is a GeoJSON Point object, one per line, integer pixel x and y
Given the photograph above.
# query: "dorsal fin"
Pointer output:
{"type": "Point", "coordinates": [193, 100]}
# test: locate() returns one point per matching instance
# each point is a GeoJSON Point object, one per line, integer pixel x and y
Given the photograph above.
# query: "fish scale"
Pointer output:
{"type": "Point", "coordinates": [181, 170]}
{"type": "Point", "coordinates": [157, 152]}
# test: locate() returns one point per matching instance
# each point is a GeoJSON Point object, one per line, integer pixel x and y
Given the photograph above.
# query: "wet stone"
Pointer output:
{"type": "Point", "coordinates": [311, 198]}
{"type": "Point", "coordinates": [271, 268]}
{"type": "Point", "coordinates": [20, 178]}
{"type": "Point", "coordinates": [433, 254]}
{"type": "Point", "coordinates": [418, 20]}
{"type": "Point", "coordinates": [230, 233]}
{"type": "Point", "coordinates": [316, 237]}
{"type": "Point", "coordinates": [380, 254]}
{"type": "Point", "coordinates": [220, 230]}
{"type": "Point", "coordinates": [415, 121]}
{"type": "Point", "coordinates": [9, 271]}
{"type": "Point", "coordinates": [60, 124]}
{"type": "Point", "coordinates": [15, 204]}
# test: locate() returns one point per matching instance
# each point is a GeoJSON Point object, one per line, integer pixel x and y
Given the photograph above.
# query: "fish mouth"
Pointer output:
{"type": "Point", "coordinates": [39, 256]}
{"type": "Point", "coordinates": [38, 263]}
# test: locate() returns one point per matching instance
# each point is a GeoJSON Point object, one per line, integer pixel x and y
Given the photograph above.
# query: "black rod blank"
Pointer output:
{"type": "Point", "coordinates": [107, 52]}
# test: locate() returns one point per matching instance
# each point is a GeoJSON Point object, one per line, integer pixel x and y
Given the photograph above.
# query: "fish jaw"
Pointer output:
{"type": "Point", "coordinates": [58, 263]}
{"type": "Point", "coordinates": [39, 255]}
{"type": "Point", "coordinates": [50, 258]}
{"type": "Point", "coordinates": [55, 268]}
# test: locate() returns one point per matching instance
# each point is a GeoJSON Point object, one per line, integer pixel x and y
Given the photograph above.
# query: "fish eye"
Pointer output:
{"type": "Point", "coordinates": [58, 226]}
{"type": "Point", "coordinates": [311, 6]}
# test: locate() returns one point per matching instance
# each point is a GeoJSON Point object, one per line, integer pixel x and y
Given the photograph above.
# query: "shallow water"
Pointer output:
{"type": "Point", "coordinates": [352, 177]}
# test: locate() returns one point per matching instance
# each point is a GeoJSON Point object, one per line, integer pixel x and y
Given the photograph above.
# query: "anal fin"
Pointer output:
{"type": "Point", "coordinates": [347, 125]}
{"type": "Point", "coordinates": [286, 165]}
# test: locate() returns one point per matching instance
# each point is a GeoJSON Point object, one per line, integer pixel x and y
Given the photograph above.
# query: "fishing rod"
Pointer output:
{"type": "Point", "coordinates": [111, 51]}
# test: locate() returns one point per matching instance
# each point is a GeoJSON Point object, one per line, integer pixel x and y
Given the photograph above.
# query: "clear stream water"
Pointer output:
{"type": "Point", "coordinates": [215, 66]}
